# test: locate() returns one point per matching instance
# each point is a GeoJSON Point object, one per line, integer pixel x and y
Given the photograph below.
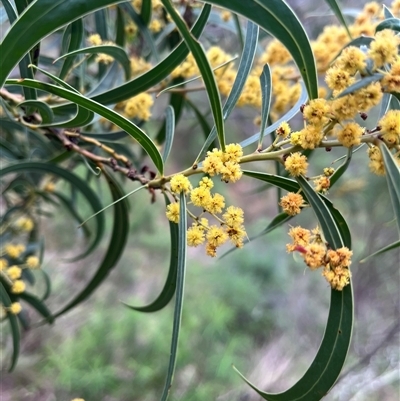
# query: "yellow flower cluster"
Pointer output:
{"type": "Point", "coordinates": [315, 253]}
{"type": "Point", "coordinates": [224, 163]}
{"type": "Point", "coordinates": [13, 273]}
{"type": "Point", "coordinates": [292, 203]}
{"type": "Point", "coordinates": [14, 251]}
{"type": "Point", "coordinates": [24, 224]}
{"type": "Point", "coordinates": [15, 308]}
{"type": "Point", "coordinates": [95, 40]}
{"type": "Point", "coordinates": [376, 164]}
{"type": "Point", "coordinates": [390, 128]}
{"type": "Point", "coordinates": [296, 164]}
{"type": "Point", "coordinates": [231, 219]}
{"type": "Point", "coordinates": [139, 65]}
{"type": "Point", "coordinates": [139, 106]}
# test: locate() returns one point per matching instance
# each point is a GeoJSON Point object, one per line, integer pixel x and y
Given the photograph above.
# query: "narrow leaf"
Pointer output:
{"type": "Point", "coordinates": [333, 4]}
{"type": "Point", "coordinates": [6, 301]}
{"type": "Point", "coordinates": [119, 236]}
{"type": "Point", "coordinates": [169, 132]}
{"type": "Point", "coordinates": [73, 36]}
{"type": "Point", "coordinates": [37, 304]}
{"type": "Point", "coordinates": [176, 101]}
{"type": "Point", "coordinates": [116, 52]}
{"type": "Point", "coordinates": [342, 168]}
{"type": "Point", "coordinates": [38, 21]}
{"type": "Point", "coordinates": [145, 12]}
{"type": "Point", "coordinates": [147, 144]}
{"type": "Point", "coordinates": [169, 288]}
{"type": "Point", "coordinates": [362, 83]}
{"type": "Point", "coordinates": [387, 13]}
{"type": "Point", "coordinates": [158, 72]}
{"type": "Point", "coordinates": [278, 19]}
{"type": "Point", "coordinates": [266, 91]}
{"type": "Point", "coordinates": [389, 23]}
{"type": "Point", "coordinates": [142, 27]}
{"type": "Point", "coordinates": [200, 118]}
{"type": "Point", "coordinates": [25, 72]}
{"type": "Point", "coordinates": [285, 183]}
{"type": "Point", "coordinates": [239, 31]}
{"type": "Point", "coordinates": [383, 250]}
{"type": "Point", "coordinates": [385, 104]}
{"type": "Point", "coordinates": [246, 62]}
{"type": "Point", "coordinates": [276, 222]}
{"type": "Point", "coordinates": [323, 214]}
{"type": "Point", "coordinates": [75, 181]}
{"type": "Point", "coordinates": [180, 282]}
{"type": "Point", "coordinates": [120, 28]}
{"type": "Point", "coordinates": [44, 109]}
{"type": "Point", "coordinates": [328, 363]}
{"type": "Point", "coordinates": [288, 116]}
{"type": "Point", "coordinates": [205, 70]}
{"type": "Point", "coordinates": [393, 179]}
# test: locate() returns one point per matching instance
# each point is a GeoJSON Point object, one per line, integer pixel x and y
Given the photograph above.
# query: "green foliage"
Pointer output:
{"type": "Point", "coordinates": [78, 129]}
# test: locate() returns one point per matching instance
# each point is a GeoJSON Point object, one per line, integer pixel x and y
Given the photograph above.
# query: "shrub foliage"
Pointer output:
{"type": "Point", "coordinates": [85, 110]}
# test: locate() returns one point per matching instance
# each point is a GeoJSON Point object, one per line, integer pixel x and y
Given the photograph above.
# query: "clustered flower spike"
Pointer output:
{"type": "Point", "coordinates": [225, 163]}
{"type": "Point", "coordinates": [230, 218]}
{"type": "Point", "coordinates": [316, 254]}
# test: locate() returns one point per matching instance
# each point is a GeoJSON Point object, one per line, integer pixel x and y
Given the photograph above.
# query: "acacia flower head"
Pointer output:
{"type": "Point", "coordinates": [328, 171]}
{"type": "Point", "coordinates": [391, 80]}
{"type": "Point", "coordinates": [314, 257]}
{"type": "Point", "coordinates": [352, 59]}
{"type": "Point", "coordinates": [172, 212]}
{"type": "Point", "coordinates": [292, 203]}
{"type": "Point", "coordinates": [215, 204]}
{"type": "Point", "coordinates": [300, 237]}
{"type": "Point", "coordinates": [236, 235]}
{"type": "Point", "coordinates": [216, 236]}
{"type": "Point", "coordinates": [95, 39]}
{"type": "Point", "coordinates": [233, 153]}
{"type": "Point", "coordinates": [139, 106]}
{"type": "Point", "coordinates": [15, 308]}
{"type": "Point", "coordinates": [296, 164]}
{"type": "Point", "coordinates": [179, 183]}
{"type": "Point", "coordinates": [104, 58]}
{"type": "Point", "coordinates": [376, 164]}
{"type": "Point", "coordinates": [32, 262]}
{"type": "Point", "coordinates": [284, 130]}
{"type": "Point", "coordinates": [24, 224]}
{"type": "Point", "coordinates": [233, 216]}
{"type": "Point", "coordinates": [384, 49]}
{"type": "Point", "coordinates": [350, 134]}
{"type": "Point", "coordinates": [316, 112]}
{"type": "Point", "coordinates": [195, 235]}
{"type": "Point", "coordinates": [338, 78]}
{"type": "Point", "coordinates": [213, 163]}
{"type": "Point", "coordinates": [14, 251]}
{"type": "Point", "coordinates": [390, 127]}
{"type": "Point", "coordinates": [368, 97]}
{"type": "Point", "coordinates": [231, 172]}
{"type": "Point", "coordinates": [14, 272]}
{"type": "Point", "coordinates": [200, 196]}
{"type": "Point", "coordinates": [340, 257]}
{"type": "Point", "coordinates": [322, 184]}
{"type": "Point", "coordinates": [206, 182]}
{"type": "Point", "coordinates": [211, 250]}
{"type": "Point", "coordinates": [18, 287]}
{"type": "Point", "coordinates": [337, 277]}
{"type": "Point", "coordinates": [308, 138]}
{"type": "Point", "coordinates": [3, 264]}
